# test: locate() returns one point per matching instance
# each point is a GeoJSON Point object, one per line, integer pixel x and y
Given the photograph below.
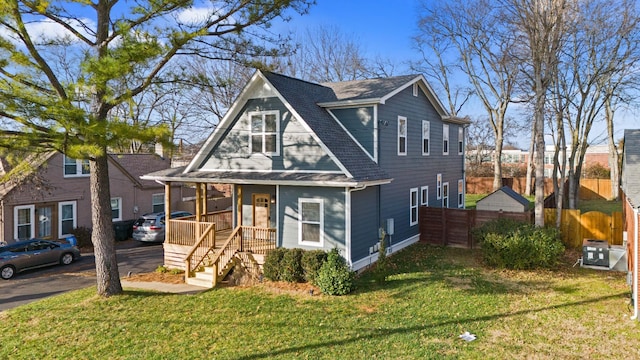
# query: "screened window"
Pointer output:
{"type": "Point", "coordinates": [445, 195]}
{"type": "Point", "coordinates": [264, 132]}
{"type": "Point", "coordinates": [439, 186]}
{"type": "Point", "coordinates": [402, 135]}
{"type": "Point", "coordinates": [67, 217]}
{"type": "Point", "coordinates": [157, 202]}
{"type": "Point", "coordinates": [310, 222]}
{"type": "Point", "coordinates": [413, 206]}
{"type": "Point", "coordinates": [75, 167]}
{"type": "Point", "coordinates": [424, 196]}
{"type": "Point", "coordinates": [116, 209]}
{"type": "Point", "coordinates": [445, 139]}
{"type": "Point", "coordinates": [24, 222]}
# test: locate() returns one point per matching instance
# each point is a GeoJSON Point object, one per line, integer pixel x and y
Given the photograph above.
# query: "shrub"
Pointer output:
{"type": "Point", "coordinates": [162, 269]}
{"type": "Point", "coordinates": [312, 260]}
{"type": "Point", "coordinates": [291, 266]}
{"type": "Point", "coordinates": [272, 268]}
{"type": "Point", "coordinates": [334, 276]}
{"type": "Point", "coordinates": [83, 236]}
{"type": "Point", "coordinates": [516, 245]}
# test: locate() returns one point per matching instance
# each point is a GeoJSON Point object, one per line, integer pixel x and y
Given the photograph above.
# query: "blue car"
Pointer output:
{"type": "Point", "coordinates": [34, 253]}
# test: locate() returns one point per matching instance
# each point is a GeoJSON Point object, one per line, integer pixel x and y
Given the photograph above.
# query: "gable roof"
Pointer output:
{"type": "Point", "coordinates": [136, 165]}
{"type": "Point", "coordinates": [630, 177]}
{"type": "Point", "coordinates": [512, 194]}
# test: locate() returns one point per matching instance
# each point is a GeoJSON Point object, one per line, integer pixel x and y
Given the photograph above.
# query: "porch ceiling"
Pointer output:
{"type": "Point", "coordinates": [261, 178]}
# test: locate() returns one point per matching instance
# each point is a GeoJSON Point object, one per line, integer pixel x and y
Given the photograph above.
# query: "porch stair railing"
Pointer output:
{"type": "Point", "coordinates": [242, 247]}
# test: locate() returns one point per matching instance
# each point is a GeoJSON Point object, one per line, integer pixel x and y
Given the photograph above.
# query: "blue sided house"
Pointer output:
{"type": "Point", "coordinates": [319, 166]}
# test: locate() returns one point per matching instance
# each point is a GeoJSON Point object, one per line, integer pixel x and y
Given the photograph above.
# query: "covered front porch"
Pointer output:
{"type": "Point", "coordinates": [214, 242]}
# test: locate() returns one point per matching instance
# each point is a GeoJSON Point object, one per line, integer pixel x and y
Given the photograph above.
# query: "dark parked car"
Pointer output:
{"type": "Point", "coordinates": [34, 253]}
{"type": "Point", "coordinates": [150, 227]}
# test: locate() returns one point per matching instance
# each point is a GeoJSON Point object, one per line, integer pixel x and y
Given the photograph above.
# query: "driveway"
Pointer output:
{"type": "Point", "coordinates": [32, 285]}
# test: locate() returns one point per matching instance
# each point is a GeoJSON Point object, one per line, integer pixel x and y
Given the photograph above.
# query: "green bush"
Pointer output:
{"type": "Point", "coordinates": [516, 245]}
{"type": "Point", "coordinates": [334, 276]}
{"type": "Point", "coordinates": [291, 266]}
{"type": "Point", "coordinates": [312, 260]}
{"type": "Point", "coordinates": [272, 268]}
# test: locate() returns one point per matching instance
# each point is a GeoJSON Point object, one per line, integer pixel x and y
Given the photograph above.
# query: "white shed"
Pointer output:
{"type": "Point", "coordinates": [503, 199]}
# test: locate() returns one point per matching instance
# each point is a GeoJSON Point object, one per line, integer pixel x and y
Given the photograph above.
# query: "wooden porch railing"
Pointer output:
{"type": "Point", "coordinates": [202, 248]}
{"type": "Point", "coordinates": [185, 230]}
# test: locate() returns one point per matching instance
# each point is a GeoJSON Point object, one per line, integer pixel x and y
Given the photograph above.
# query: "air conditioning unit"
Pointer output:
{"type": "Point", "coordinates": [595, 253]}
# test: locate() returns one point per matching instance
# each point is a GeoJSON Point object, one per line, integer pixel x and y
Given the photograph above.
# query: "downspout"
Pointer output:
{"type": "Point", "coordinates": [634, 291]}
{"type": "Point", "coordinates": [347, 245]}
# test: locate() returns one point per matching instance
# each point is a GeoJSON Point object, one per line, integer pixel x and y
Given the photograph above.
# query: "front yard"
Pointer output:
{"type": "Point", "coordinates": [433, 295]}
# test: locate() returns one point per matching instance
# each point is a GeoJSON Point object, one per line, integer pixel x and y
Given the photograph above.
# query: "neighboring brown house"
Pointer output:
{"type": "Point", "coordinates": [55, 198]}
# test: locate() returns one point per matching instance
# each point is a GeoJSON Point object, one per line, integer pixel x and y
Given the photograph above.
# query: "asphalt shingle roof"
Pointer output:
{"type": "Point", "coordinates": [369, 88]}
{"type": "Point", "coordinates": [139, 164]}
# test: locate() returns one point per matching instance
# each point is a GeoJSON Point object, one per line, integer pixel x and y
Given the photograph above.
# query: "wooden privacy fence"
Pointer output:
{"type": "Point", "coordinates": [576, 226]}
{"type": "Point", "coordinates": [452, 227]}
{"type": "Point", "coordinates": [590, 189]}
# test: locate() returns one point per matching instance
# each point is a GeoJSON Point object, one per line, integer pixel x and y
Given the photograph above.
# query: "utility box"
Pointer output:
{"type": "Point", "coordinates": [595, 252]}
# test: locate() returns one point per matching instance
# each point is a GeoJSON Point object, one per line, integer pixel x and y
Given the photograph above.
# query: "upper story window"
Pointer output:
{"type": "Point", "coordinates": [264, 132]}
{"type": "Point", "coordinates": [425, 137]}
{"type": "Point", "coordinates": [460, 140]}
{"type": "Point", "coordinates": [75, 167]}
{"type": "Point", "coordinates": [402, 135]}
{"type": "Point", "coordinates": [445, 139]}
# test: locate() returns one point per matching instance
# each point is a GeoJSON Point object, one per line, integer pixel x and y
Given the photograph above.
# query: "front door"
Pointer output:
{"type": "Point", "coordinates": [261, 210]}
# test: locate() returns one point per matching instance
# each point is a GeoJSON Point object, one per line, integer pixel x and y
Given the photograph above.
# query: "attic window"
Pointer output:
{"type": "Point", "coordinates": [264, 132]}
{"type": "Point", "coordinates": [75, 167]}
{"type": "Point", "coordinates": [415, 89]}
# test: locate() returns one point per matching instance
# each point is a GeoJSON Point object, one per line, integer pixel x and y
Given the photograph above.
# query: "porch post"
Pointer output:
{"type": "Point", "coordinates": [167, 211]}
{"type": "Point", "coordinates": [239, 205]}
{"type": "Point", "coordinates": [198, 205]}
{"type": "Point", "coordinates": [204, 199]}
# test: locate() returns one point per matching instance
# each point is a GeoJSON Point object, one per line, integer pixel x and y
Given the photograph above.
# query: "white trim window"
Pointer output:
{"type": "Point", "coordinates": [311, 222]}
{"type": "Point", "coordinates": [75, 167]}
{"type": "Point", "coordinates": [424, 196]}
{"type": "Point", "coordinates": [439, 186]}
{"type": "Point", "coordinates": [67, 217]}
{"type": "Point", "coordinates": [460, 140]}
{"type": "Point", "coordinates": [425, 137]}
{"type": "Point", "coordinates": [402, 135]}
{"type": "Point", "coordinates": [445, 139]}
{"type": "Point", "coordinates": [23, 222]}
{"type": "Point", "coordinates": [264, 132]}
{"type": "Point", "coordinates": [415, 89]}
{"type": "Point", "coordinates": [413, 206]}
{"type": "Point", "coordinates": [445, 195]}
{"type": "Point", "coordinates": [116, 209]}
{"type": "Point", "coordinates": [461, 194]}
{"type": "Point", "coordinates": [157, 202]}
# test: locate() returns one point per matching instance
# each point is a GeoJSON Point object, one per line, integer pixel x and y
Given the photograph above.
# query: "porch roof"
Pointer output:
{"type": "Point", "coordinates": [262, 178]}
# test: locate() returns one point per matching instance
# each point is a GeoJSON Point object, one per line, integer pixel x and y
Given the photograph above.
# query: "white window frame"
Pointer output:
{"type": "Point", "coordinates": [153, 203]}
{"type": "Point", "coordinates": [119, 201]}
{"type": "Point", "coordinates": [60, 219]}
{"type": "Point", "coordinates": [415, 89]}
{"type": "Point", "coordinates": [445, 194]}
{"type": "Point", "coordinates": [32, 215]}
{"type": "Point", "coordinates": [439, 186]}
{"type": "Point", "coordinates": [445, 139]}
{"type": "Point", "coordinates": [424, 196]}
{"type": "Point", "coordinates": [402, 135]}
{"type": "Point", "coordinates": [413, 206]}
{"type": "Point", "coordinates": [264, 133]}
{"type": "Point", "coordinates": [320, 222]}
{"type": "Point", "coordinates": [460, 140]}
{"type": "Point", "coordinates": [426, 135]}
{"type": "Point", "coordinates": [79, 167]}
{"type": "Point", "coordinates": [461, 194]}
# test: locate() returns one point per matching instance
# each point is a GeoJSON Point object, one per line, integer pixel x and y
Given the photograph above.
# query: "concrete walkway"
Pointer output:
{"type": "Point", "coordinates": [163, 287]}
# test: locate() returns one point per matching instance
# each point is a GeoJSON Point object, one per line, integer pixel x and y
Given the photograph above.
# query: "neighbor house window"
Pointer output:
{"type": "Point", "coordinates": [461, 193]}
{"type": "Point", "coordinates": [460, 140]}
{"type": "Point", "coordinates": [116, 209]}
{"type": "Point", "coordinates": [413, 206]}
{"type": "Point", "coordinates": [402, 135]}
{"type": "Point", "coordinates": [424, 196]}
{"type": "Point", "coordinates": [157, 202]}
{"type": "Point", "coordinates": [24, 225]}
{"type": "Point", "coordinates": [445, 195]}
{"type": "Point", "coordinates": [445, 139]}
{"type": "Point", "coordinates": [310, 222]}
{"type": "Point", "coordinates": [67, 217]}
{"type": "Point", "coordinates": [264, 132]}
{"type": "Point", "coordinates": [425, 137]}
{"type": "Point", "coordinates": [75, 167]}
{"type": "Point", "coordinates": [439, 186]}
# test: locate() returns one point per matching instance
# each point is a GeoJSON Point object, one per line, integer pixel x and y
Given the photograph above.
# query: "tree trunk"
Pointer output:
{"type": "Point", "coordinates": [102, 236]}
{"type": "Point", "coordinates": [614, 158]}
{"type": "Point", "coordinates": [497, 162]}
{"type": "Point", "coordinates": [527, 190]}
{"type": "Point", "coordinates": [539, 153]}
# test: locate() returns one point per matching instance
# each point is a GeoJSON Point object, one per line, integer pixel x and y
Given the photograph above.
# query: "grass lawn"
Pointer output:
{"type": "Point", "coordinates": [432, 296]}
